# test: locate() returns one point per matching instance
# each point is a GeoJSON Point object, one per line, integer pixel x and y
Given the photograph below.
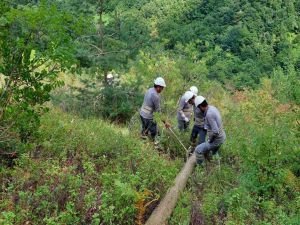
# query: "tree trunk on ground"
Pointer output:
{"type": "Point", "coordinates": [164, 210]}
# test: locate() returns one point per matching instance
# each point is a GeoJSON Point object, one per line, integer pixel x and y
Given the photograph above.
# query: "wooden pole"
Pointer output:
{"type": "Point", "coordinates": [165, 208]}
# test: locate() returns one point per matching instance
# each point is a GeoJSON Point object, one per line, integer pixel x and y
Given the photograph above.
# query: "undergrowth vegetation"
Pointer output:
{"type": "Point", "coordinates": [83, 171]}
{"type": "Point", "coordinates": [258, 181]}
{"type": "Point", "coordinates": [69, 147]}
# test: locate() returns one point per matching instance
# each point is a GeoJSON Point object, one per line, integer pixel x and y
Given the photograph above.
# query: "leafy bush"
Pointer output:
{"type": "Point", "coordinates": [35, 44]}
{"type": "Point", "coordinates": [114, 102]}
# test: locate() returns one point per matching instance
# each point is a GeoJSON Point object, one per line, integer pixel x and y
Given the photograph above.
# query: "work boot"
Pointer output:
{"type": "Point", "coordinates": [143, 136]}
{"type": "Point", "coordinates": [157, 146]}
{"type": "Point", "coordinates": [199, 158]}
{"type": "Point", "coordinates": [191, 150]}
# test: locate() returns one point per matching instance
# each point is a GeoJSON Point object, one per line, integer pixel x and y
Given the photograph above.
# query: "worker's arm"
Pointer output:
{"type": "Point", "coordinates": [180, 110]}
{"type": "Point", "coordinates": [157, 108]}
{"type": "Point", "coordinates": [213, 126]}
{"type": "Point", "coordinates": [156, 103]}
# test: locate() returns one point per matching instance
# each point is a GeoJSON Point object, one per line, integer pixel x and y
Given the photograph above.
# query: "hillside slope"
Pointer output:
{"type": "Point", "coordinates": [82, 172]}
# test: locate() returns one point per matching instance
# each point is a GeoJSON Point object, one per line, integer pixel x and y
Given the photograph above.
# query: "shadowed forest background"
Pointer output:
{"type": "Point", "coordinates": [72, 78]}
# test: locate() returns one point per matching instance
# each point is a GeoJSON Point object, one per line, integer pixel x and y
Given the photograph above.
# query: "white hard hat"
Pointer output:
{"type": "Point", "coordinates": [110, 76]}
{"type": "Point", "coordinates": [160, 82]}
{"type": "Point", "coordinates": [194, 89]}
{"type": "Point", "coordinates": [199, 100]}
{"type": "Point", "coordinates": [188, 95]}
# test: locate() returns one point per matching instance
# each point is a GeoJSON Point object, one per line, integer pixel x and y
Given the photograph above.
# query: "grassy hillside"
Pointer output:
{"type": "Point", "coordinates": [70, 165]}
{"type": "Point", "coordinates": [89, 171]}
{"type": "Point", "coordinates": [80, 172]}
{"type": "Point", "coordinates": [258, 181]}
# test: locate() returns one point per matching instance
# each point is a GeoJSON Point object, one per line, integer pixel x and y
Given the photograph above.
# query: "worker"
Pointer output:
{"type": "Point", "coordinates": [198, 129]}
{"type": "Point", "coordinates": [193, 89]}
{"type": "Point", "coordinates": [214, 126]}
{"type": "Point", "coordinates": [185, 110]}
{"type": "Point", "coordinates": [150, 105]}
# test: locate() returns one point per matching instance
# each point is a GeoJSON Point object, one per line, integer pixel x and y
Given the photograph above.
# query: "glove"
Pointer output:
{"type": "Point", "coordinates": [212, 138]}
{"type": "Point", "coordinates": [186, 119]}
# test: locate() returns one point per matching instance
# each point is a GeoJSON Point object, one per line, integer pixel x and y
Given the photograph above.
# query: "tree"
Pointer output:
{"type": "Point", "coordinates": [36, 43]}
{"type": "Point", "coordinates": [119, 32]}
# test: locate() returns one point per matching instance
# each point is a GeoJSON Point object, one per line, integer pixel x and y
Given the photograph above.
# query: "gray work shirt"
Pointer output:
{"type": "Point", "coordinates": [213, 123]}
{"type": "Point", "coordinates": [199, 117]}
{"type": "Point", "coordinates": [151, 104]}
{"type": "Point", "coordinates": [184, 107]}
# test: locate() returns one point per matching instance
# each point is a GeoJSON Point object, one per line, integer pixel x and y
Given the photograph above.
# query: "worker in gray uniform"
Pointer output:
{"type": "Point", "coordinates": [198, 129]}
{"type": "Point", "coordinates": [213, 124]}
{"type": "Point", "coordinates": [150, 105]}
{"type": "Point", "coordinates": [185, 110]}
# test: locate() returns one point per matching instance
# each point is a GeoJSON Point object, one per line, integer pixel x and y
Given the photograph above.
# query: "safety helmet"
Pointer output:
{"type": "Point", "coordinates": [188, 95]}
{"type": "Point", "coordinates": [160, 82]}
{"type": "Point", "coordinates": [110, 76]}
{"type": "Point", "coordinates": [194, 89]}
{"type": "Point", "coordinates": [199, 100]}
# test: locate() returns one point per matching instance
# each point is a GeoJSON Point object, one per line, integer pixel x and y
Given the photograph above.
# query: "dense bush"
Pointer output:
{"type": "Point", "coordinates": [117, 103]}
{"type": "Point", "coordinates": [35, 44]}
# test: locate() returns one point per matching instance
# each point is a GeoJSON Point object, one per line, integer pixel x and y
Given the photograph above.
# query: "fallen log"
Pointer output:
{"type": "Point", "coordinates": [165, 208]}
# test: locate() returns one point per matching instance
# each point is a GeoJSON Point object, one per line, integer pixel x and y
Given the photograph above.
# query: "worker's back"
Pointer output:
{"type": "Point", "coordinates": [199, 117]}
{"type": "Point", "coordinates": [151, 104]}
{"type": "Point", "coordinates": [213, 122]}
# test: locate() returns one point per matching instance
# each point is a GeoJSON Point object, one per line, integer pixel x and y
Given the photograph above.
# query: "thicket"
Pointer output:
{"type": "Point", "coordinates": [36, 43]}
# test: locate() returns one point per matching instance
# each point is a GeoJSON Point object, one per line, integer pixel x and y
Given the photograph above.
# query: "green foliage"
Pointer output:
{"type": "Point", "coordinates": [181, 214]}
{"type": "Point", "coordinates": [81, 171]}
{"type": "Point", "coordinates": [258, 36]}
{"type": "Point", "coordinates": [259, 178]}
{"type": "Point", "coordinates": [35, 44]}
{"type": "Point", "coordinates": [86, 171]}
{"type": "Point", "coordinates": [286, 87]}
{"type": "Point", "coordinates": [118, 103]}
{"type": "Point", "coordinates": [115, 102]}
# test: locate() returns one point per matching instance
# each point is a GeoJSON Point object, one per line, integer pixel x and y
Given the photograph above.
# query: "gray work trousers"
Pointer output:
{"type": "Point", "coordinates": [207, 147]}
{"type": "Point", "coordinates": [182, 125]}
{"type": "Point", "coordinates": [149, 126]}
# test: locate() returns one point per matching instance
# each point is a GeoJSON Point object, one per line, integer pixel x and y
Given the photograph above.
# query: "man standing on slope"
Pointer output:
{"type": "Point", "coordinates": [185, 110]}
{"type": "Point", "coordinates": [150, 105]}
{"type": "Point", "coordinates": [214, 126]}
{"type": "Point", "coordinates": [198, 129]}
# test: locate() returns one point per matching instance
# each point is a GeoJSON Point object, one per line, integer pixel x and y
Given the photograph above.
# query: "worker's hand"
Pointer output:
{"type": "Point", "coordinates": [186, 119]}
{"type": "Point", "coordinates": [212, 138]}
{"type": "Point", "coordinates": [167, 125]}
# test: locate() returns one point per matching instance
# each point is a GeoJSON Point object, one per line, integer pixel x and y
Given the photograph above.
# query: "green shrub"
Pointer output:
{"type": "Point", "coordinates": [117, 103]}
